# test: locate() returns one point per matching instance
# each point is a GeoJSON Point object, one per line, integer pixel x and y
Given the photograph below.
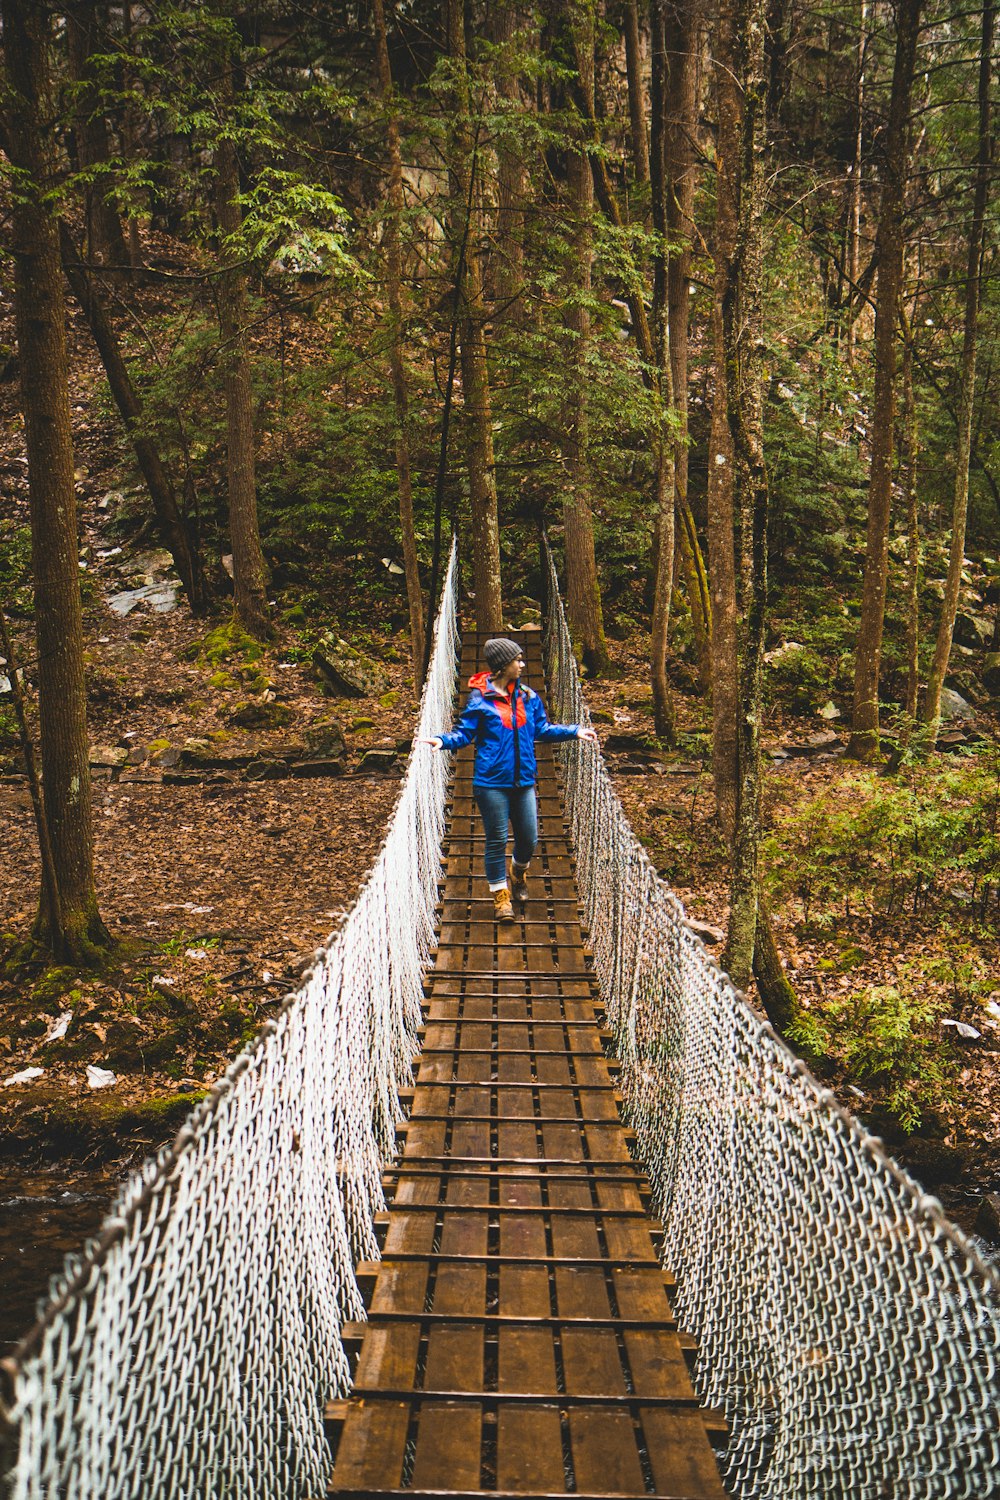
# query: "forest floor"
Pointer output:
{"type": "Point", "coordinates": [221, 888]}
{"type": "Point", "coordinates": [220, 885]}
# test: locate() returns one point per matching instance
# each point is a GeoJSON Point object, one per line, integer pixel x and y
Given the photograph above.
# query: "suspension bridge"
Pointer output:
{"type": "Point", "coordinates": [426, 1237]}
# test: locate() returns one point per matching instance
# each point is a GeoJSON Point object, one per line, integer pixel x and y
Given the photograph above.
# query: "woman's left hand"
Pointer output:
{"type": "Point", "coordinates": [587, 734]}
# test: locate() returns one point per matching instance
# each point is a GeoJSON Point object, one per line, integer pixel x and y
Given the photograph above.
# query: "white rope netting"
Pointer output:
{"type": "Point", "coordinates": [850, 1331]}
{"type": "Point", "coordinates": [191, 1348]}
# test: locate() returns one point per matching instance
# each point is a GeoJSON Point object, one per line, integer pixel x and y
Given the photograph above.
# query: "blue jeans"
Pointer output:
{"type": "Point", "coordinates": [498, 806]}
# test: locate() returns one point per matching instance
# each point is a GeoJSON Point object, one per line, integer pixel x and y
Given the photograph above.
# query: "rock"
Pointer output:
{"type": "Point", "coordinates": [108, 756]}
{"type": "Point", "coordinates": [266, 770]}
{"type": "Point", "coordinates": [404, 746]}
{"type": "Point", "coordinates": [963, 1030]}
{"type": "Point", "coordinates": [261, 715]}
{"type": "Point", "coordinates": [988, 1218]}
{"type": "Point", "coordinates": [191, 778]}
{"type": "Point", "coordinates": [380, 759]}
{"type": "Point", "coordinates": [325, 741]}
{"type": "Point", "coordinates": [137, 757]}
{"type": "Point", "coordinates": [362, 723]}
{"type": "Point", "coordinates": [826, 740]}
{"type": "Point", "coordinates": [631, 768]}
{"type": "Point", "coordinates": [954, 706]}
{"type": "Point", "coordinates": [318, 767]}
{"type": "Point", "coordinates": [152, 566]}
{"type": "Point", "coordinates": [829, 711]}
{"type": "Point", "coordinates": [291, 750]}
{"type": "Point", "coordinates": [973, 630]}
{"type": "Point", "coordinates": [346, 673]}
{"type": "Point", "coordinates": [100, 1078]}
{"type": "Point", "coordinates": [25, 1076]}
{"type": "Point", "coordinates": [601, 716]}
{"type": "Point", "coordinates": [169, 755]}
{"type": "Point", "coordinates": [704, 930]}
{"type": "Point", "coordinates": [990, 674]}
{"type": "Point", "coordinates": [161, 598]}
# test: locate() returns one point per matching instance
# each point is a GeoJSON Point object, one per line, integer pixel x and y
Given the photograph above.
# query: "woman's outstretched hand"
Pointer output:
{"type": "Point", "coordinates": [434, 742]}
{"type": "Point", "coordinates": [590, 735]}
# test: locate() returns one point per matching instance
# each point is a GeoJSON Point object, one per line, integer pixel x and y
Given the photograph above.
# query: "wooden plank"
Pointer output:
{"type": "Point", "coordinates": [448, 1447]}
{"type": "Point", "coordinates": [372, 1446]}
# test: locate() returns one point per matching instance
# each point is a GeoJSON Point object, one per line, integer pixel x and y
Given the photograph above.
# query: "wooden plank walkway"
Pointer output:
{"type": "Point", "coordinates": [520, 1337]}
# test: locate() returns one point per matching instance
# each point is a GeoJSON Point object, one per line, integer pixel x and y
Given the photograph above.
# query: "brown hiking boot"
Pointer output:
{"type": "Point", "coordinates": [502, 909]}
{"type": "Point", "coordinates": [518, 883]}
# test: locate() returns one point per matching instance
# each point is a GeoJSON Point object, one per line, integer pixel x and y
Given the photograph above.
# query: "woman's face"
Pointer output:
{"type": "Point", "coordinates": [511, 672]}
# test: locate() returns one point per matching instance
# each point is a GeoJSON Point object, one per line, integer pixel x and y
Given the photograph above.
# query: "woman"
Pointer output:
{"type": "Point", "coordinates": [504, 720]}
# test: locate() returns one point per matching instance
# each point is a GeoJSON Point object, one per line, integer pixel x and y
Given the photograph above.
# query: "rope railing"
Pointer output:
{"type": "Point", "coordinates": [191, 1348]}
{"type": "Point", "coordinates": [849, 1330]}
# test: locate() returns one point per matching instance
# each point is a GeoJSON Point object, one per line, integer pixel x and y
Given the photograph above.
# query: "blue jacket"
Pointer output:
{"type": "Point", "coordinates": [505, 755]}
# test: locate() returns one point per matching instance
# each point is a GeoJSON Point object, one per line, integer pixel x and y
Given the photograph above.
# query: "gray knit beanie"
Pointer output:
{"type": "Point", "coordinates": [500, 652]}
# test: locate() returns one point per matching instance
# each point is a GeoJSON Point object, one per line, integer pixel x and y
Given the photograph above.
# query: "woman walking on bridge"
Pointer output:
{"type": "Point", "coordinates": [504, 719]}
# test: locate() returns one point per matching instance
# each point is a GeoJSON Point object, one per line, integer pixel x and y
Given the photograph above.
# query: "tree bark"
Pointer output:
{"type": "Point", "coordinates": [583, 593]}
{"type": "Point", "coordinates": [472, 347]}
{"type": "Point", "coordinates": [889, 247]}
{"type": "Point", "coordinates": [636, 94]}
{"type": "Point", "coordinates": [742, 318]}
{"type": "Point", "coordinates": [681, 123]}
{"type": "Point", "coordinates": [721, 522]}
{"type": "Point", "coordinates": [41, 315]}
{"type": "Point", "coordinates": [50, 880]}
{"type": "Point", "coordinates": [249, 570]}
{"type": "Point", "coordinates": [854, 196]}
{"type": "Point", "coordinates": [394, 275]}
{"type": "Point", "coordinates": [509, 21]}
{"type": "Point", "coordinates": [173, 530]}
{"type": "Point", "coordinates": [104, 239]}
{"type": "Point", "coordinates": [967, 381]}
{"type": "Point", "coordinates": [908, 484]}
{"type": "Point", "coordinates": [664, 439]}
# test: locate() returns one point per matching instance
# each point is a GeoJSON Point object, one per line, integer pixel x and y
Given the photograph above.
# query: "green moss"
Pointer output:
{"type": "Point", "coordinates": [388, 700]}
{"type": "Point", "coordinates": [53, 984]}
{"type": "Point", "coordinates": [295, 616]}
{"type": "Point", "coordinates": [223, 682]}
{"type": "Point", "coordinates": [229, 642]}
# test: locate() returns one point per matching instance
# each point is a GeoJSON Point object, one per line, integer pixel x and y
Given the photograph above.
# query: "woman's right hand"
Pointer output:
{"type": "Point", "coordinates": [434, 742]}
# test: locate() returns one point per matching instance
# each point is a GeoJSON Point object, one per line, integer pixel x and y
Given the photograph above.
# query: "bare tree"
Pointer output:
{"type": "Point", "coordinates": [394, 275]}
{"type": "Point", "coordinates": [583, 594]}
{"type": "Point", "coordinates": [967, 376]}
{"type": "Point", "coordinates": [472, 342]}
{"type": "Point", "coordinates": [249, 569]}
{"type": "Point", "coordinates": [78, 934]}
{"type": "Point", "coordinates": [889, 246]}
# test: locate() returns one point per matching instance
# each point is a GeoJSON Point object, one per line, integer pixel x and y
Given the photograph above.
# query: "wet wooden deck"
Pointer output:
{"type": "Point", "coordinates": [520, 1337]}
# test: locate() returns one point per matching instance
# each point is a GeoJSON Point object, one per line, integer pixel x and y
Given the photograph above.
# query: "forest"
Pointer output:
{"type": "Point", "coordinates": [708, 292]}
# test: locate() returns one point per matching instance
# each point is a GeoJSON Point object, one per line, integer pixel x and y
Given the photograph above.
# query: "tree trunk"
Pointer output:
{"type": "Point", "coordinates": [889, 253]}
{"type": "Point", "coordinates": [967, 383]}
{"type": "Point", "coordinates": [681, 124]}
{"type": "Point", "coordinates": [908, 484]}
{"type": "Point", "coordinates": [583, 594]}
{"type": "Point", "coordinates": [104, 239]}
{"type": "Point", "coordinates": [394, 274]}
{"type": "Point", "coordinates": [664, 439]}
{"type": "Point", "coordinates": [173, 531]}
{"type": "Point", "coordinates": [508, 22]}
{"type": "Point", "coordinates": [636, 94]}
{"type": "Point", "coordinates": [743, 335]}
{"type": "Point", "coordinates": [50, 881]}
{"type": "Point", "coordinates": [721, 522]}
{"type": "Point", "coordinates": [249, 570]}
{"type": "Point", "coordinates": [41, 316]}
{"type": "Point", "coordinates": [854, 196]}
{"type": "Point", "coordinates": [472, 345]}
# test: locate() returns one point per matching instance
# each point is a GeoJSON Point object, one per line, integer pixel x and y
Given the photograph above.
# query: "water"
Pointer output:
{"type": "Point", "coordinates": [44, 1215]}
